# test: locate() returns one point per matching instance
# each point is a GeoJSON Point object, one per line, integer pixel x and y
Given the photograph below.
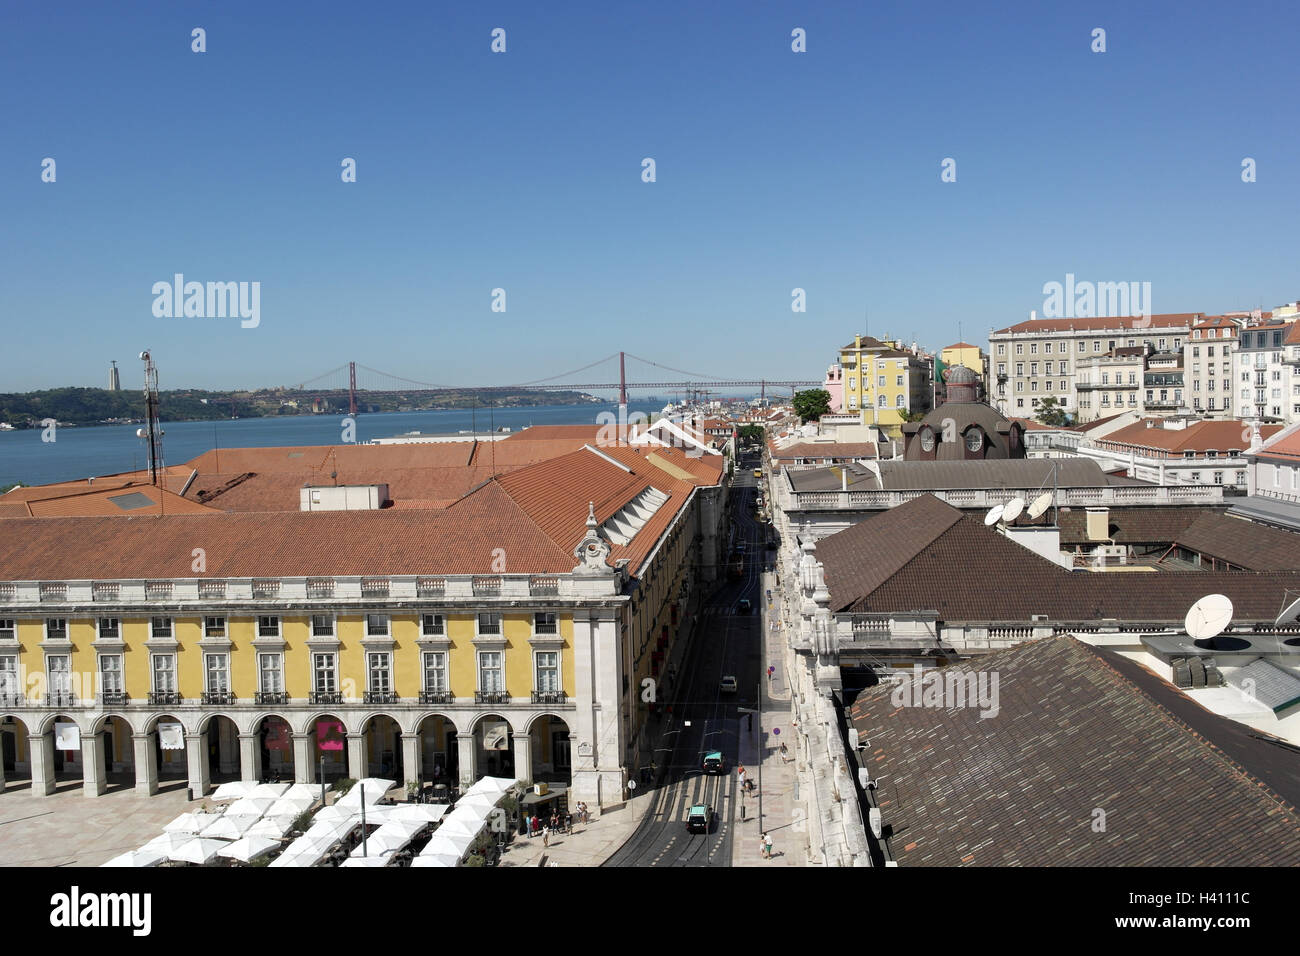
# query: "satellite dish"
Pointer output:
{"type": "Point", "coordinates": [1040, 504]}
{"type": "Point", "coordinates": [994, 516]}
{"type": "Point", "coordinates": [1208, 617]}
{"type": "Point", "coordinates": [1289, 615]}
{"type": "Point", "coordinates": [1011, 510]}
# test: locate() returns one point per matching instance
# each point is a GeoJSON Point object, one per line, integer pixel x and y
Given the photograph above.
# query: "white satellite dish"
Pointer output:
{"type": "Point", "coordinates": [994, 516]}
{"type": "Point", "coordinates": [1208, 617]}
{"type": "Point", "coordinates": [1040, 504]}
{"type": "Point", "coordinates": [1011, 510]}
{"type": "Point", "coordinates": [1289, 614]}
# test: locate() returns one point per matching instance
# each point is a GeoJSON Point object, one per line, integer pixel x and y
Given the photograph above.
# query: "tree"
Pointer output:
{"type": "Point", "coordinates": [811, 404]}
{"type": "Point", "coordinates": [911, 416]}
{"type": "Point", "coordinates": [1051, 413]}
{"type": "Point", "coordinates": [752, 433]}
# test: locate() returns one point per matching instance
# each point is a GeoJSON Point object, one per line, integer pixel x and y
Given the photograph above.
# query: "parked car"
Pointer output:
{"type": "Point", "coordinates": [728, 685]}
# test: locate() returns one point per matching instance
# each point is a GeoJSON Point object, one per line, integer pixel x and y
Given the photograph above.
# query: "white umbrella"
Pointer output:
{"type": "Point", "coordinates": [480, 803]}
{"type": "Point", "coordinates": [454, 824]}
{"type": "Point", "coordinates": [167, 842]}
{"type": "Point", "coordinates": [197, 851]}
{"type": "Point", "coordinates": [376, 813]}
{"type": "Point", "coordinates": [497, 785]}
{"type": "Point", "coordinates": [367, 861]}
{"type": "Point", "coordinates": [335, 814]}
{"type": "Point", "coordinates": [287, 806]}
{"type": "Point", "coordinates": [188, 823]}
{"type": "Point", "coordinates": [254, 807]}
{"type": "Point", "coordinates": [273, 827]}
{"type": "Point", "coordinates": [271, 790]}
{"type": "Point", "coordinates": [328, 831]}
{"type": "Point", "coordinates": [249, 848]}
{"type": "Point", "coordinates": [436, 859]}
{"type": "Point", "coordinates": [138, 858]}
{"type": "Point", "coordinates": [234, 790]}
{"type": "Point", "coordinates": [391, 837]}
{"type": "Point", "coordinates": [428, 812]}
{"type": "Point", "coordinates": [299, 790]}
{"type": "Point", "coordinates": [457, 844]}
{"type": "Point", "coordinates": [374, 789]}
{"type": "Point", "coordinates": [227, 828]}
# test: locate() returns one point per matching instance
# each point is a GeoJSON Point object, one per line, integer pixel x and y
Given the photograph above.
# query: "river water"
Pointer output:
{"type": "Point", "coordinates": [87, 451]}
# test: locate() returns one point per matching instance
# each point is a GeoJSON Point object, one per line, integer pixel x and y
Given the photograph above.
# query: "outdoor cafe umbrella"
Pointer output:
{"type": "Point", "coordinates": [389, 838]}
{"type": "Point", "coordinates": [288, 806]}
{"type": "Point", "coordinates": [335, 814]}
{"type": "Point", "coordinates": [272, 827]}
{"type": "Point", "coordinates": [188, 823]}
{"type": "Point", "coordinates": [470, 826]}
{"type": "Point", "coordinates": [436, 859]}
{"type": "Point", "coordinates": [227, 828]}
{"type": "Point", "coordinates": [454, 843]}
{"type": "Point", "coordinates": [272, 790]}
{"type": "Point", "coordinates": [491, 785]}
{"type": "Point", "coordinates": [356, 861]}
{"type": "Point", "coordinates": [197, 850]}
{"type": "Point", "coordinates": [374, 789]}
{"type": "Point", "coordinates": [480, 803]}
{"type": "Point", "coordinates": [234, 790]}
{"type": "Point", "coordinates": [248, 849]}
{"type": "Point", "coordinates": [254, 807]}
{"type": "Point", "coordinates": [167, 842]}
{"type": "Point", "coordinates": [425, 812]}
{"type": "Point", "coordinates": [299, 790]}
{"type": "Point", "coordinates": [138, 858]}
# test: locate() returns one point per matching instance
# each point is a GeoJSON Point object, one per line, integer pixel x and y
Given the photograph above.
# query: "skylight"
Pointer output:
{"type": "Point", "coordinates": [622, 527]}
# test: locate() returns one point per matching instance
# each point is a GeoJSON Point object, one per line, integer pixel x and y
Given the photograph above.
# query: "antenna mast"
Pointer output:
{"type": "Point", "coordinates": [154, 433]}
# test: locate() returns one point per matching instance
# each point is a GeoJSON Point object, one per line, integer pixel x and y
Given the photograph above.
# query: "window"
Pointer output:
{"type": "Point", "coordinates": [110, 674]}
{"type": "Point", "coordinates": [164, 673]}
{"type": "Point", "coordinates": [270, 673]}
{"type": "Point", "coordinates": [8, 629]}
{"type": "Point", "coordinates": [883, 402]}
{"type": "Point", "coordinates": [882, 381]}
{"type": "Point", "coordinates": [1083, 347]}
{"type": "Point", "coordinates": [1105, 378]}
{"type": "Point", "coordinates": [59, 677]}
{"type": "Point", "coordinates": [268, 625]}
{"type": "Point", "coordinates": [109, 629]}
{"type": "Point", "coordinates": [1209, 351]}
{"type": "Point", "coordinates": [1195, 476]}
{"type": "Point", "coordinates": [9, 685]}
{"type": "Point", "coordinates": [490, 677]}
{"type": "Point", "coordinates": [1033, 386]}
{"type": "Point", "coordinates": [898, 381]}
{"type": "Point", "coordinates": [1020, 348]}
{"type": "Point", "coordinates": [489, 622]}
{"type": "Point", "coordinates": [1002, 368]}
{"type": "Point", "coordinates": [1020, 403]}
{"type": "Point", "coordinates": [324, 676]}
{"type": "Point", "coordinates": [378, 665]}
{"type": "Point", "coordinates": [1033, 368]}
{"type": "Point", "coordinates": [1162, 344]}
{"type": "Point", "coordinates": [322, 625]}
{"type": "Point", "coordinates": [1002, 349]}
{"type": "Point", "coordinates": [1060, 367]}
{"type": "Point", "coordinates": [853, 382]}
{"type": "Point", "coordinates": [1196, 351]}
{"type": "Point", "coordinates": [544, 623]}
{"type": "Point", "coordinates": [435, 672]}
{"type": "Point", "coordinates": [1048, 348]}
{"type": "Point", "coordinates": [1241, 477]}
{"type": "Point", "coordinates": [901, 402]}
{"type": "Point", "coordinates": [1020, 386]}
{"type": "Point", "coordinates": [433, 625]}
{"type": "Point", "coordinates": [1096, 346]}
{"type": "Point", "coordinates": [1033, 348]}
{"type": "Point", "coordinates": [376, 625]}
{"type": "Point", "coordinates": [56, 629]}
{"type": "Point", "coordinates": [212, 626]}
{"type": "Point", "coordinates": [216, 669]}
{"type": "Point", "coordinates": [1020, 368]}
{"type": "Point", "coordinates": [1218, 477]}
{"type": "Point", "coordinates": [548, 671]}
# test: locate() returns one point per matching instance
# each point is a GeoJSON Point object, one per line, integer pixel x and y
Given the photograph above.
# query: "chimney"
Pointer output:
{"type": "Point", "coordinates": [857, 341]}
{"type": "Point", "coordinates": [1098, 524]}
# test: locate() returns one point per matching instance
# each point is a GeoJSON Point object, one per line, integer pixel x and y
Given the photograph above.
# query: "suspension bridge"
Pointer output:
{"type": "Point", "coordinates": [344, 380]}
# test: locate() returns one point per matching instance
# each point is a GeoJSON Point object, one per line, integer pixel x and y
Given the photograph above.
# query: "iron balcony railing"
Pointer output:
{"type": "Point", "coordinates": [270, 697]}
{"type": "Point", "coordinates": [163, 697]}
{"type": "Point", "coordinates": [436, 697]}
{"type": "Point", "coordinates": [326, 697]}
{"type": "Point", "coordinates": [61, 698]}
{"type": "Point", "coordinates": [549, 697]}
{"type": "Point", "coordinates": [113, 698]}
{"type": "Point", "coordinates": [381, 697]}
{"type": "Point", "coordinates": [220, 697]}
{"type": "Point", "coordinates": [491, 697]}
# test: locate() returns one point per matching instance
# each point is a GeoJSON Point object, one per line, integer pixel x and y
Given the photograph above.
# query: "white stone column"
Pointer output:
{"type": "Point", "coordinates": [358, 766]}
{"type": "Point", "coordinates": [468, 752]}
{"type": "Point", "coordinates": [523, 758]}
{"type": "Point", "coordinates": [249, 758]}
{"type": "Point", "coordinates": [94, 778]}
{"type": "Point", "coordinates": [303, 769]}
{"type": "Point", "coordinates": [410, 758]}
{"type": "Point", "coordinates": [146, 763]}
{"type": "Point", "coordinates": [41, 754]}
{"type": "Point", "coordinates": [196, 751]}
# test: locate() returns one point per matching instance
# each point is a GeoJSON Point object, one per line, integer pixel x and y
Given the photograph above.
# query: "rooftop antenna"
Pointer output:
{"type": "Point", "coordinates": [1208, 617]}
{"type": "Point", "coordinates": [152, 430]}
{"type": "Point", "coordinates": [1290, 613]}
{"type": "Point", "coordinates": [994, 516]}
{"type": "Point", "coordinates": [1011, 510]}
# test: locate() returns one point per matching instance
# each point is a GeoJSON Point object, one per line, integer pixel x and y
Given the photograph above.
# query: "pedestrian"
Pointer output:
{"type": "Point", "coordinates": [568, 822]}
{"type": "Point", "coordinates": [767, 846]}
{"type": "Point", "coordinates": [740, 774]}
{"type": "Point", "coordinates": [546, 836]}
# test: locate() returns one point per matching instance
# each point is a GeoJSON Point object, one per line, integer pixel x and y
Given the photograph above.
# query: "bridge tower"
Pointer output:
{"type": "Point", "coordinates": [622, 396]}
{"type": "Point", "coordinates": [352, 388]}
{"type": "Point", "coordinates": [762, 393]}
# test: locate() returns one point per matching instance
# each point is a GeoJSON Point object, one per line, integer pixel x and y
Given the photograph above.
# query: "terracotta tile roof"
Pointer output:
{"type": "Point", "coordinates": [1242, 543]}
{"type": "Point", "coordinates": [1152, 526]}
{"type": "Point", "coordinates": [959, 345]}
{"type": "Point", "coordinates": [116, 501]}
{"type": "Point", "coordinates": [923, 560]}
{"type": "Point", "coordinates": [1220, 436]}
{"type": "Point", "coordinates": [1028, 424]}
{"type": "Point", "coordinates": [1285, 444]}
{"type": "Point", "coordinates": [1293, 335]}
{"type": "Point", "coordinates": [1103, 324]}
{"type": "Point", "coordinates": [1072, 732]}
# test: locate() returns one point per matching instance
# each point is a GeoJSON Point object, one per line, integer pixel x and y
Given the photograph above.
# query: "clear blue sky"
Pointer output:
{"type": "Point", "coordinates": [523, 171]}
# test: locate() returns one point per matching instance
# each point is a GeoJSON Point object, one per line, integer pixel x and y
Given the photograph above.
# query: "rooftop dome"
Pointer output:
{"type": "Point", "coordinates": [961, 375]}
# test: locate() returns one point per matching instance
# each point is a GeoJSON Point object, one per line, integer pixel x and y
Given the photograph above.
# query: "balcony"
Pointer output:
{"type": "Point", "coordinates": [54, 592]}
{"type": "Point", "coordinates": [157, 590]}
{"type": "Point", "coordinates": [490, 587]}
{"type": "Point", "coordinates": [491, 697]}
{"type": "Point", "coordinates": [104, 591]}
{"type": "Point", "coordinates": [8, 592]}
{"type": "Point", "coordinates": [549, 697]}
{"type": "Point", "coordinates": [212, 589]}
{"type": "Point", "coordinates": [382, 697]}
{"type": "Point", "coordinates": [13, 700]}
{"type": "Point", "coordinates": [266, 589]}
{"type": "Point", "coordinates": [374, 588]}
{"type": "Point", "coordinates": [436, 697]}
{"type": "Point", "coordinates": [325, 697]}
{"type": "Point", "coordinates": [430, 587]}
{"type": "Point", "coordinates": [61, 698]}
{"type": "Point", "coordinates": [113, 698]}
{"type": "Point", "coordinates": [220, 698]}
{"type": "Point", "coordinates": [164, 698]}
{"type": "Point", "coordinates": [270, 697]}
{"type": "Point", "coordinates": [543, 586]}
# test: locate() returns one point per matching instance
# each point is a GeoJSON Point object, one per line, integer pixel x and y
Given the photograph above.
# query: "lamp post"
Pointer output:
{"type": "Point", "coordinates": [363, 819]}
{"type": "Point", "coordinates": [322, 782]}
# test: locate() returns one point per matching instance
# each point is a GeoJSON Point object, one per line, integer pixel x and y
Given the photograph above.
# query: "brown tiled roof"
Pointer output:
{"type": "Point", "coordinates": [1103, 324]}
{"type": "Point", "coordinates": [1199, 436]}
{"type": "Point", "coordinates": [959, 345]}
{"type": "Point", "coordinates": [1242, 543]}
{"type": "Point", "coordinates": [1127, 525]}
{"type": "Point", "coordinates": [1285, 444]}
{"type": "Point", "coordinates": [1293, 334]}
{"type": "Point", "coordinates": [964, 571]}
{"type": "Point", "coordinates": [1072, 735]}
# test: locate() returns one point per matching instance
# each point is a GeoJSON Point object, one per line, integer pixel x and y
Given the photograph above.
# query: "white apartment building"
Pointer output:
{"type": "Point", "coordinates": [1110, 383]}
{"type": "Point", "coordinates": [1207, 366]}
{"type": "Point", "coordinates": [1178, 451]}
{"type": "Point", "coordinates": [1038, 358]}
{"type": "Point", "coordinates": [1265, 372]}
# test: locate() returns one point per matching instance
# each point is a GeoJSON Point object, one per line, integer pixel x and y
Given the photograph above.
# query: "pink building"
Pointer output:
{"type": "Point", "coordinates": [835, 385]}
